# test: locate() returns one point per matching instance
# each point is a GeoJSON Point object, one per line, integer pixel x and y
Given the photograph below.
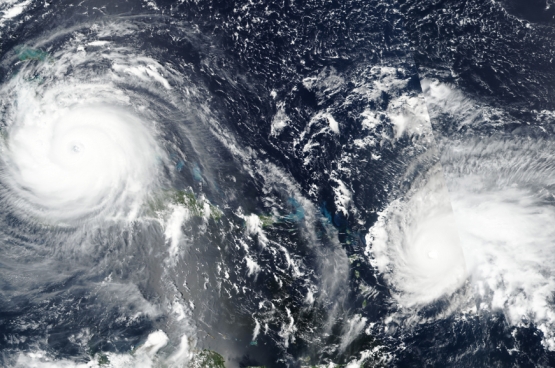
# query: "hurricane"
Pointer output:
{"type": "Point", "coordinates": [416, 243]}
{"type": "Point", "coordinates": [83, 152]}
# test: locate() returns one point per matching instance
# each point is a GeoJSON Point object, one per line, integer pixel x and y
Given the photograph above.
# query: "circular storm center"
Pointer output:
{"type": "Point", "coordinates": [85, 160]}
{"type": "Point", "coordinates": [78, 147]}
{"type": "Point", "coordinates": [434, 262]}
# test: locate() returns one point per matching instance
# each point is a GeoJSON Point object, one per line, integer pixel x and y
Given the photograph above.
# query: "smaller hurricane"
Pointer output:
{"type": "Point", "coordinates": [502, 192]}
{"type": "Point", "coordinates": [415, 244]}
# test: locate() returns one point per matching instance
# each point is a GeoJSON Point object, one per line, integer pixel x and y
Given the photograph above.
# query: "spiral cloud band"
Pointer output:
{"type": "Point", "coordinates": [505, 210]}
{"type": "Point", "coordinates": [118, 156]}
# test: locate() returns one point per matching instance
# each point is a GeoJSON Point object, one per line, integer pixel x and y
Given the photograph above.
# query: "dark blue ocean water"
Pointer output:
{"type": "Point", "coordinates": [248, 129]}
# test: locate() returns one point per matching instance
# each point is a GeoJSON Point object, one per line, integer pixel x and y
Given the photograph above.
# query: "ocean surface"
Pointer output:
{"type": "Point", "coordinates": [321, 183]}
